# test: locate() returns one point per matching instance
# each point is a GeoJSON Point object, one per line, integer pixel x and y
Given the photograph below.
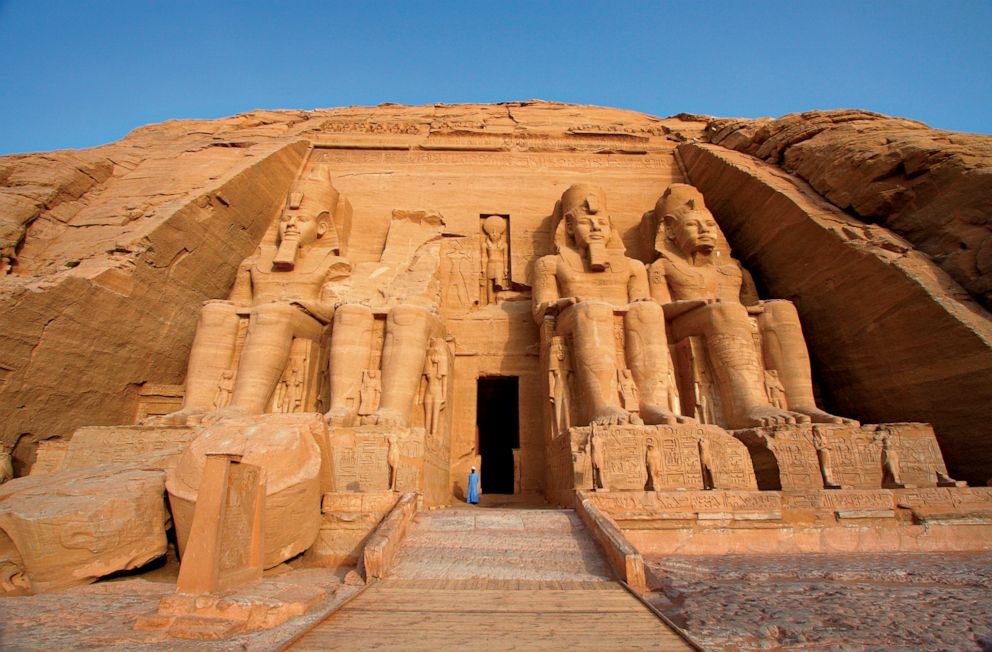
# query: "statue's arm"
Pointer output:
{"type": "Point", "coordinates": [661, 293]}
{"type": "Point", "coordinates": [638, 288]}
{"type": "Point", "coordinates": [658, 283]}
{"type": "Point", "coordinates": [241, 293]}
{"type": "Point", "coordinates": [323, 308]}
{"type": "Point", "coordinates": [546, 297]}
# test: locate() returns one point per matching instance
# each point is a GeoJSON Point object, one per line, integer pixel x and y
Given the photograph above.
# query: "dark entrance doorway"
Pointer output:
{"type": "Point", "coordinates": [496, 417]}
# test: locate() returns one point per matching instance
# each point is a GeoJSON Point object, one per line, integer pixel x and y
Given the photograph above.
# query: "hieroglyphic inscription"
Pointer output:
{"type": "Point", "coordinates": [237, 521]}
{"type": "Point", "coordinates": [958, 497]}
{"type": "Point", "coordinates": [840, 500]}
{"type": "Point", "coordinates": [648, 504]}
{"type": "Point", "coordinates": [855, 456]}
{"type": "Point", "coordinates": [494, 159]}
{"type": "Point", "coordinates": [96, 445]}
{"type": "Point", "coordinates": [370, 456]}
{"type": "Point", "coordinates": [729, 463]}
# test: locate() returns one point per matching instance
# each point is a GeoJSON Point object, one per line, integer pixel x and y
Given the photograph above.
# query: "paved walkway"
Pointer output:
{"type": "Point", "coordinates": [500, 579]}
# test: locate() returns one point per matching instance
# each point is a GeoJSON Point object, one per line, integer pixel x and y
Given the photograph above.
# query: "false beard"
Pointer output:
{"type": "Point", "coordinates": [289, 247]}
{"type": "Point", "coordinates": [598, 258]}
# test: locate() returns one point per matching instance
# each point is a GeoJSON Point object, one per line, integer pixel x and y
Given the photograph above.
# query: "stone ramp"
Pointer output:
{"type": "Point", "coordinates": [499, 578]}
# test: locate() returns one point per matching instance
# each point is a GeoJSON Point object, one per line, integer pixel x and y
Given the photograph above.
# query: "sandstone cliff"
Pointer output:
{"type": "Point", "coordinates": [877, 227]}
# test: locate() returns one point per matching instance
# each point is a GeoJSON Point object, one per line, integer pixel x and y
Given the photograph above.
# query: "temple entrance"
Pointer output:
{"type": "Point", "coordinates": [496, 417]}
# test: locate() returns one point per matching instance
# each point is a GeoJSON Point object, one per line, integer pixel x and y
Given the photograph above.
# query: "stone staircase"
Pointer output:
{"type": "Point", "coordinates": [499, 578]}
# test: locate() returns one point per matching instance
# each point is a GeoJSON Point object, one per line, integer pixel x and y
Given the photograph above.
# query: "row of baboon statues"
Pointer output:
{"type": "Point", "coordinates": [287, 292]}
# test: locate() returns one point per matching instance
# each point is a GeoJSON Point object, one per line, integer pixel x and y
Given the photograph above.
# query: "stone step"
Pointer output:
{"type": "Point", "coordinates": [503, 579]}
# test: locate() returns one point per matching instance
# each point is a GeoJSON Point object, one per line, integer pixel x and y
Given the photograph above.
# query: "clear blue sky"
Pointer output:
{"type": "Point", "coordinates": [83, 73]}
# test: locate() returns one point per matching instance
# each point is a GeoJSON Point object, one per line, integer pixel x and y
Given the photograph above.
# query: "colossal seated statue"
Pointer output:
{"type": "Point", "coordinates": [283, 290]}
{"type": "Point", "coordinates": [699, 286]}
{"type": "Point", "coordinates": [588, 287]}
{"type": "Point", "coordinates": [290, 293]}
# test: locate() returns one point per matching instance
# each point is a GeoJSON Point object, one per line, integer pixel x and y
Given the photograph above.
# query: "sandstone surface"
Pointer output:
{"type": "Point", "coordinates": [70, 528]}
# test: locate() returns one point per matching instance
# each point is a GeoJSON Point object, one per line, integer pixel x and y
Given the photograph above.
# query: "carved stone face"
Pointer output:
{"type": "Point", "coordinates": [588, 224]}
{"type": "Point", "coordinates": [693, 230]}
{"type": "Point", "coordinates": [302, 225]}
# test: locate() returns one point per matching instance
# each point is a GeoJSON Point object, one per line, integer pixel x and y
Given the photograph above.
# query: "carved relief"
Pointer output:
{"type": "Point", "coordinates": [495, 257]}
{"type": "Point", "coordinates": [459, 273]}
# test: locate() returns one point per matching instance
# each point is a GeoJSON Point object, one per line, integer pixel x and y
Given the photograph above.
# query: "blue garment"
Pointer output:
{"type": "Point", "coordinates": [473, 488]}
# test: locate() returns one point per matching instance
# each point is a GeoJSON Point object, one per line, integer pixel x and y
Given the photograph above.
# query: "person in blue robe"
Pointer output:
{"type": "Point", "coordinates": [473, 488]}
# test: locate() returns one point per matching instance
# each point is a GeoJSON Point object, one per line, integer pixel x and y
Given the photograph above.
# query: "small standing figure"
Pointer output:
{"type": "Point", "coordinates": [597, 454]}
{"type": "Point", "coordinates": [435, 395]}
{"type": "Point", "coordinates": [473, 488]}
{"type": "Point", "coordinates": [458, 261]}
{"type": "Point", "coordinates": [891, 477]}
{"type": "Point", "coordinates": [775, 390]}
{"type": "Point", "coordinates": [6, 464]}
{"type": "Point", "coordinates": [628, 391]}
{"type": "Point", "coordinates": [497, 277]}
{"type": "Point", "coordinates": [558, 373]}
{"type": "Point", "coordinates": [392, 459]}
{"type": "Point", "coordinates": [224, 389]}
{"type": "Point", "coordinates": [823, 456]}
{"type": "Point", "coordinates": [706, 462]}
{"type": "Point", "coordinates": [652, 460]}
{"type": "Point", "coordinates": [297, 386]}
{"type": "Point", "coordinates": [370, 392]}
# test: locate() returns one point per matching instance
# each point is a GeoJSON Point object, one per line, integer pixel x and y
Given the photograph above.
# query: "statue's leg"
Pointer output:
{"type": "Point", "coordinates": [271, 329]}
{"type": "Point", "coordinates": [727, 332]}
{"type": "Point", "coordinates": [408, 332]}
{"type": "Point", "coordinates": [647, 357]}
{"type": "Point", "coordinates": [210, 357]}
{"type": "Point", "coordinates": [594, 351]}
{"type": "Point", "coordinates": [351, 348]}
{"type": "Point", "coordinates": [785, 351]}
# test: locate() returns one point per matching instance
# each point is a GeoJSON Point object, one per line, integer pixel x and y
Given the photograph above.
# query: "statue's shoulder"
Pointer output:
{"type": "Point", "coordinates": [547, 264]}
{"type": "Point", "coordinates": [732, 268]}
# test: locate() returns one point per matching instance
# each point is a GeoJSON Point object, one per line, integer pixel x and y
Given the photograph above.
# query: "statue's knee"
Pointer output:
{"type": "Point", "coordinates": [406, 315]}
{"type": "Point", "coordinates": [593, 311]}
{"type": "Point", "coordinates": [352, 314]}
{"type": "Point", "coordinates": [780, 311]}
{"type": "Point", "coordinates": [217, 312]}
{"type": "Point", "coordinates": [645, 314]}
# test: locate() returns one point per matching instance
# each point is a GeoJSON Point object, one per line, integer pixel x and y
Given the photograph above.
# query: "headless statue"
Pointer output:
{"type": "Point", "coordinates": [582, 287]}
{"type": "Point", "coordinates": [699, 287]}
{"type": "Point", "coordinates": [284, 290]}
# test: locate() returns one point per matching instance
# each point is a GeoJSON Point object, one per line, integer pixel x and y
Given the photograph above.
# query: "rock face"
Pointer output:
{"type": "Point", "coordinates": [932, 187]}
{"type": "Point", "coordinates": [874, 227]}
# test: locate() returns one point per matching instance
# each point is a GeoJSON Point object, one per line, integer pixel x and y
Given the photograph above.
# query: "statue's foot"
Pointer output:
{"type": "Point", "coordinates": [339, 416]}
{"type": "Point", "coordinates": [615, 416]}
{"type": "Point", "coordinates": [183, 417]}
{"type": "Point", "coordinates": [763, 416]}
{"type": "Point", "coordinates": [224, 414]}
{"type": "Point", "coordinates": [817, 415]}
{"type": "Point", "coordinates": [657, 416]}
{"type": "Point", "coordinates": [385, 417]}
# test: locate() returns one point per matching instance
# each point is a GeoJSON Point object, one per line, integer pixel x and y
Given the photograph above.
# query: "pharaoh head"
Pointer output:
{"type": "Point", "coordinates": [307, 217]}
{"type": "Point", "coordinates": [587, 222]}
{"type": "Point", "coordinates": [688, 224]}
